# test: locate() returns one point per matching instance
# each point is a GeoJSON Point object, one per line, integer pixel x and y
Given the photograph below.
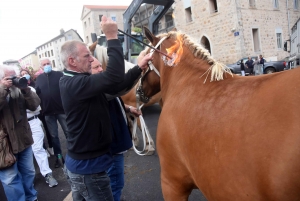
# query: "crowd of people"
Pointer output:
{"type": "Point", "coordinates": [252, 65]}
{"type": "Point", "coordinates": [85, 101]}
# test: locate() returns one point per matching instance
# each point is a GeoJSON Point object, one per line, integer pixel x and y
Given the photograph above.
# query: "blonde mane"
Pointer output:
{"type": "Point", "coordinates": [217, 69]}
{"type": "Point", "coordinates": [101, 55]}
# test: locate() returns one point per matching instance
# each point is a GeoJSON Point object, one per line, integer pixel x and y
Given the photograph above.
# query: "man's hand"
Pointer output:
{"type": "Point", "coordinates": [7, 82]}
{"type": "Point", "coordinates": [143, 59]}
{"type": "Point", "coordinates": [134, 111]}
{"type": "Point", "coordinates": [109, 28]}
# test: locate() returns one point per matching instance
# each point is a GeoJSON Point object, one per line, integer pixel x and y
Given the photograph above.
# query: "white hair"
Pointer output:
{"type": "Point", "coordinates": [43, 59]}
{"type": "Point", "coordinates": [4, 68]}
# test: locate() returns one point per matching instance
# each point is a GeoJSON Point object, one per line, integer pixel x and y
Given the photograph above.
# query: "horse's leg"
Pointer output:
{"type": "Point", "coordinates": [176, 186]}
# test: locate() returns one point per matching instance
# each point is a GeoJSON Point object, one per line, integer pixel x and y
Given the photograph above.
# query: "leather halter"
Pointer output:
{"type": "Point", "coordinates": [139, 90]}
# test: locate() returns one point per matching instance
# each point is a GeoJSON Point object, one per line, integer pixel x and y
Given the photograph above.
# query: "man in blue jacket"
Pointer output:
{"type": "Point", "coordinates": [86, 107]}
{"type": "Point", "coordinates": [121, 136]}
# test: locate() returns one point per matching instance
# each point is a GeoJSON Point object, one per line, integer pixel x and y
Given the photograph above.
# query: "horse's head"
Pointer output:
{"type": "Point", "coordinates": [151, 82]}
{"type": "Point", "coordinates": [189, 60]}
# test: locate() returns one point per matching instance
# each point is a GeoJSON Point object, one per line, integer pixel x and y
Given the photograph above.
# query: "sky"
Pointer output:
{"type": "Point", "coordinates": [26, 24]}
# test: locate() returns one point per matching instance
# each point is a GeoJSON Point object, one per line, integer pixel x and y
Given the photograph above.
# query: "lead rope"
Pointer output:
{"type": "Point", "coordinates": [148, 148]}
{"type": "Point", "coordinates": [148, 143]}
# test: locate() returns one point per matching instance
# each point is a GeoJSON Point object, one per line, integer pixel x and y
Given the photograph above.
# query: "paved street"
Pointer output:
{"type": "Point", "coordinates": [142, 173]}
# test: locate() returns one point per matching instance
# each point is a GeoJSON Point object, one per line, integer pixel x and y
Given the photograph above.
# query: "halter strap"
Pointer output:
{"type": "Point", "coordinates": [151, 66]}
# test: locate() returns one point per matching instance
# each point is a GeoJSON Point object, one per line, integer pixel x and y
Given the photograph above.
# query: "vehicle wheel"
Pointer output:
{"type": "Point", "coordinates": [269, 70]}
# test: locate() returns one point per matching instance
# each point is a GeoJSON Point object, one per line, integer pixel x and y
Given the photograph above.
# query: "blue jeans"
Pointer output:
{"type": "Point", "coordinates": [51, 121]}
{"type": "Point", "coordinates": [17, 180]}
{"type": "Point", "coordinates": [89, 187]}
{"type": "Point", "coordinates": [116, 175]}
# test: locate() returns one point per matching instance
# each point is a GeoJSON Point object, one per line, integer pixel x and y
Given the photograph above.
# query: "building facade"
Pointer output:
{"type": "Point", "coordinates": [141, 18]}
{"type": "Point", "coordinates": [30, 60]}
{"type": "Point", "coordinates": [51, 49]}
{"type": "Point", "coordinates": [91, 18]}
{"type": "Point", "coordinates": [231, 30]}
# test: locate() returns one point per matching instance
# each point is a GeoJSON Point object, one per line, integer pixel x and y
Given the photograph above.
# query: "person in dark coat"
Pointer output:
{"type": "Point", "coordinates": [88, 119]}
{"type": "Point", "coordinates": [242, 67]}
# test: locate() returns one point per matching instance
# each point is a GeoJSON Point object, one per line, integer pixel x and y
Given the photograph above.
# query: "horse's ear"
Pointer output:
{"type": "Point", "coordinates": [149, 35]}
{"type": "Point", "coordinates": [93, 46]}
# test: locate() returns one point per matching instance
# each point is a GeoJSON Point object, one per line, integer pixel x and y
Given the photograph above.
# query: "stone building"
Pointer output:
{"type": "Point", "coordinates": [51, 49]}
{"type": "Point", "coordinates": [234, 29]}
{"type": "Point", "coordinates": [141, 18]}
{"type": "Point", "coordinates": [30, 60]}
{"type": "Point", "coordinates": [91, 18]}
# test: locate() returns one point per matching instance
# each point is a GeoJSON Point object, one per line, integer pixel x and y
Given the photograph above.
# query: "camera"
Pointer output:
{"type": "Point", "coordinates": [19, 82]}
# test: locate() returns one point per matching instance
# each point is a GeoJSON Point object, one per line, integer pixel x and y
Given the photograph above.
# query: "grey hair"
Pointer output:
{"type": "Point", "coordinates": [43, 59]}
{"type": "Point", "coordinates": [4, 68]}
{"type": "Point", "coordinates": [69, 49]}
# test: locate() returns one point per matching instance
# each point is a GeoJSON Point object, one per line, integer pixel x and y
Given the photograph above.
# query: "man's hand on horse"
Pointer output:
{"type": "Point", "coordinates": [143, 59]}
{"type": "Point", "coordinates": [109, 28]}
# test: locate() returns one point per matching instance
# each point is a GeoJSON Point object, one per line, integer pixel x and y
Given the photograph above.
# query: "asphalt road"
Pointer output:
{"type": "Point", "coordinates": [142, 173]}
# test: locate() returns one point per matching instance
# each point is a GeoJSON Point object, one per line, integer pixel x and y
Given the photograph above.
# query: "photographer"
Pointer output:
{"type": "Point", "coordinates": [15, 98]}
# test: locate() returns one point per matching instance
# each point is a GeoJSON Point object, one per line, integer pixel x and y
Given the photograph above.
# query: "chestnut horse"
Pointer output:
{"type": "Point", "coordinates": [234, 138]}
{"type": "Point", "coordinates": [130, 97]}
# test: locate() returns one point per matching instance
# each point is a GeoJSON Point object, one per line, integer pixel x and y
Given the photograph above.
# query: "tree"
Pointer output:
{"type": "Point", "coordinates": [137, 30]}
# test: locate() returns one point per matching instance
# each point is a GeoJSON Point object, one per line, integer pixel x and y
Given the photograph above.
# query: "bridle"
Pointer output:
{"type": "Point", "coordinates": [151, 67]}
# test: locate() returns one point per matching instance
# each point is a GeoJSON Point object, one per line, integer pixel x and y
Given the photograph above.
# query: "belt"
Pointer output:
{"type": "Point", "coordinates": [33, 117]}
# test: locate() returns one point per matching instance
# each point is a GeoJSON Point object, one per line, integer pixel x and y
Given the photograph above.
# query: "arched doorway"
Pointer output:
{"type": "Point", "coordinates": [205, 43]}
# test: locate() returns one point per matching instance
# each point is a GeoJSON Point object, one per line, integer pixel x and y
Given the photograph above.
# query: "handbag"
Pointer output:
{"type": "Point", "coordinates": [7, 157]}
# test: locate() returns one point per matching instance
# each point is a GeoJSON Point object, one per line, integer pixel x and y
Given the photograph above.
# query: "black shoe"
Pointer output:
{"type": "Point", "coordinates": [59, 162]}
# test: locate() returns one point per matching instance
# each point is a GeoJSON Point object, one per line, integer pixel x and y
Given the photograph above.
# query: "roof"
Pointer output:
{"type": "Point", "coordinates": [59, 36]}
{"type": "Point", "coordinates": [95, 7]}
{"type": "Point", "coordinates": [34, 52]}
{"type": "Point", "coordinates": [10, 61]}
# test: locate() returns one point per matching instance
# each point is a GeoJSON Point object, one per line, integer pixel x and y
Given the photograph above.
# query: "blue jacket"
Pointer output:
{"type": "Point", "coordinates": [121, 136]}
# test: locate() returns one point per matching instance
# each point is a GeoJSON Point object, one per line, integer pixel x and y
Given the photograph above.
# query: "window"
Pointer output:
{"type": "Point", "coordinates": [53, 63]}
{"type": "Point", "coordinates": [100, 16]}
{"type": "Point", "coordinates": [278, 32]}
{"type": "Point", "coordinates": [169, 21]}
{"type": "Point", "coordinates": [276, 5]}
{"type": "Point", "coordinates": [213, 6]}
{"type": "Point", "coordinates": [279, 40]}
{"type": "Point", "coordinates": [48, 54]}
{"type": "Point", "coordinates": [84, 24]}
{"type": "Point", "coordinates": [40, 56]}
{"type": "Point", "coordinates": [159, 26]}
{"type": "Point", "coordinates": [51, 52]}
{"type": "Point", "coordinates": [296, 4]}
{"type": "Point", "coordinates": [252, 3]}
{"type": "Point", "coordinates": [136, 18]}
{"type": "Point", "coordinates": [113, 17]}
{"type": "Point", "coordinates": [188, 14]}
{"type": "Point", "coordinates": [69, 37]}
{"type": "Point", "coordinates": [87, 39]}
{"type": "Point", "coordinates": [89, 21]}
{"type": "Point", "coordinates": [256, 45]}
